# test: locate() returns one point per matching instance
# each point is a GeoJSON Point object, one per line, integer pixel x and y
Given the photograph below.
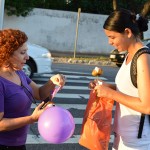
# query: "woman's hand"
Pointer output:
{"type": "Point", "coordinates": [37, 112]}
{"type": "Point", "coordinates": [102, 90]}
{"type": "Point", "coordinates": [58, 79]}
{"type": "Point", "coordinates": [94, 83]}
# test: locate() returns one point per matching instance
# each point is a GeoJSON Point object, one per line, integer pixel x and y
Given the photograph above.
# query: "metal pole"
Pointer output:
{"type": "Point", "coordinates": [75, 45]}
{"type": "Point", "coordinates": [2, 3]}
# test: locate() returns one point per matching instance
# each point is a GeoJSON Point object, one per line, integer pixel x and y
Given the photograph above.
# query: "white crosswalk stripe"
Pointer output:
{"type": "Point", "coordinates": [86, 75]}
{"type": "Point", "coordinates": [71, 80]}
{"type": "Point", "coordinates": [32, 138]}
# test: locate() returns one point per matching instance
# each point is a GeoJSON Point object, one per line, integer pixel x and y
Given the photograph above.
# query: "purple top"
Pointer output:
{"type": "Point", "coordinates": [15, 103]}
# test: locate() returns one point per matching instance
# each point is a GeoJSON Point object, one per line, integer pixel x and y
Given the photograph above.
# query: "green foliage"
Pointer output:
{"type": "Point", "coordinates": [134, 5]}
{"type": "Point", "coordinates": [23, 7]}
{"type": "Point", "coordinates": [18, 7]}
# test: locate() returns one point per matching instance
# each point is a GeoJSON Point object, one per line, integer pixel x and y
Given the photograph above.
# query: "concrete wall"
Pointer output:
{"type": "Point", "coordinates": [56, 30]}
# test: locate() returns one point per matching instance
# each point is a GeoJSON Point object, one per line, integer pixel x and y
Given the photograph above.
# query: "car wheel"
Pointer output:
{"type": "Point", "coordinates": [29, 69]}
{"type": "Point", "coordinates": [119, 65]}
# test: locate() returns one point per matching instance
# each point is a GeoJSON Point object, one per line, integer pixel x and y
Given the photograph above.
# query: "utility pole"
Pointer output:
{"type": "Point", "coordinates": [76, 38]}
{"type": "Point", "coordinates": [2, 3]}
{"type": "Point", "coordinates": [114, 4]}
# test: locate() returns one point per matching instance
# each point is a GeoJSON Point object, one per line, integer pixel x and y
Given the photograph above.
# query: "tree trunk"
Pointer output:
{"type": "Point", "coordinates": [114, 4]}
{"type": "Point", "coordinates": [146, 9]}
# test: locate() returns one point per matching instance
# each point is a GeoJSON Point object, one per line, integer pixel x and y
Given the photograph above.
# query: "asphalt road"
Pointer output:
{"type": "Point", "coordinates": [73, 97]}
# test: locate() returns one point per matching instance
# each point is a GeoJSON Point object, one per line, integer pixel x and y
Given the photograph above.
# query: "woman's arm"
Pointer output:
{"type": "Point", "coordinates": [7, 124]}
{"type": "Point", "coordinates": [141, 103]}
{"type": "Point", "coordinates": [40, 93]}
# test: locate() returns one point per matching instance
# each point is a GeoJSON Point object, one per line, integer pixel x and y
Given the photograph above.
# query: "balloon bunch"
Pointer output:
{"type": "Point", "coordinates": [56, 124]}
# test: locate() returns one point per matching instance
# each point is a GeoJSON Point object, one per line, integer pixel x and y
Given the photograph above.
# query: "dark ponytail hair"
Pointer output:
{"type": "Point", "coordinates": [142, 24]}
{"type": "Point", "coordinates": [121, 19]}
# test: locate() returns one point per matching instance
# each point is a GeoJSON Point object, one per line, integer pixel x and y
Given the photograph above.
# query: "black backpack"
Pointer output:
{"type": "Point", "coordinates": [133, 72]}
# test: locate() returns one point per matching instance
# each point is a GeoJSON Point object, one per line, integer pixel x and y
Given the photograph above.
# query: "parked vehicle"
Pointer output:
{"type": "Point", "coordinates": [118, 57]}
{"type": "Point", "coordinates": [40, 60]}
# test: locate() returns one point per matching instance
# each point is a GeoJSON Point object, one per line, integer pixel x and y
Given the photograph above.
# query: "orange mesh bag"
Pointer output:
{"type": "Point", "coordinates": [96, 125]}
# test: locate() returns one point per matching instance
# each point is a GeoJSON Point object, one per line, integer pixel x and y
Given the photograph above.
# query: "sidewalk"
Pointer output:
{"type": "Point", "coordinates": [83, 61]}
{"type": "Point", "coordinates": [87, 59]}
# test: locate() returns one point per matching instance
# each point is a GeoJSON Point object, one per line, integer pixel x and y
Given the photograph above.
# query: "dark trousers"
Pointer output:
{"type": "Point", "coordinates": [3, 147]}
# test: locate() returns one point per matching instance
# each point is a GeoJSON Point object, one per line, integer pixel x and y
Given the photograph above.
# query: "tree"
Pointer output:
{"type": "Point", "coordinates": [23, 7]}
{"type": "Point", "coordinates": [18, 7]}
{"type": "Point", "coordinates": [144, 13]}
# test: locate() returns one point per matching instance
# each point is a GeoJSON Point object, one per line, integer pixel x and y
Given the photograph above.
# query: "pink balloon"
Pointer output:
{"type": "Point", "coordinates": [56, 125]}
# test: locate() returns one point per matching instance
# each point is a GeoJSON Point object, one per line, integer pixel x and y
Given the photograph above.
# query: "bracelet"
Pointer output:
{"type": "Point", "coordinates": [51, 83]}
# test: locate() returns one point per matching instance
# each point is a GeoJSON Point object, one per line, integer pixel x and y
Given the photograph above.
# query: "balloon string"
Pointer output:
{"type": "Point", "coordinates": [55, 92]}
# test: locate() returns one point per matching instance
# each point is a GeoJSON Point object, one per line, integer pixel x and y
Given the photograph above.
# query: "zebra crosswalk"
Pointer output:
{"type": "Point", "coordinates": [73, 97]}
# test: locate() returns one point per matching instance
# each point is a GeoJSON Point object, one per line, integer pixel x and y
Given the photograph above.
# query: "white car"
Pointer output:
{"type": "Point", "coordinates": [40, 60]}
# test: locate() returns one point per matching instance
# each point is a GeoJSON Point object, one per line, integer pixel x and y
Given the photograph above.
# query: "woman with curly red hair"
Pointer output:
{"type": "Point", "coordinates": [17, 91]}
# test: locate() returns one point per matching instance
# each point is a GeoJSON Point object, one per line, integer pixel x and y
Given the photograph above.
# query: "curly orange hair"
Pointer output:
{"type": "Point", "coordinates": [10, 41]}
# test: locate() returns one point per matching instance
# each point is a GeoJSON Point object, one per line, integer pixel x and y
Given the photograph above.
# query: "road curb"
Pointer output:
{"type": "Point", "coordinates": [105, 62]}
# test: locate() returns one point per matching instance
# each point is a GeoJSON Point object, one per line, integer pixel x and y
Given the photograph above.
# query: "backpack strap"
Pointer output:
{"type": "Point", "coordinates": [141, 126]}
{"type": "Point", "coordinates": [133, 72]}
{"type": "Point", "coordinates": [133, 69]}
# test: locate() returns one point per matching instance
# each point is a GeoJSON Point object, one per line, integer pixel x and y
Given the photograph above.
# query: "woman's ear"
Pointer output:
{"type": "Point", "coordinates": [128, 32]}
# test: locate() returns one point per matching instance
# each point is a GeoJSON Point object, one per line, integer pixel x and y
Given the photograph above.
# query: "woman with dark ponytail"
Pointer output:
{"type": "Point", "coordinates": [122, 27]}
